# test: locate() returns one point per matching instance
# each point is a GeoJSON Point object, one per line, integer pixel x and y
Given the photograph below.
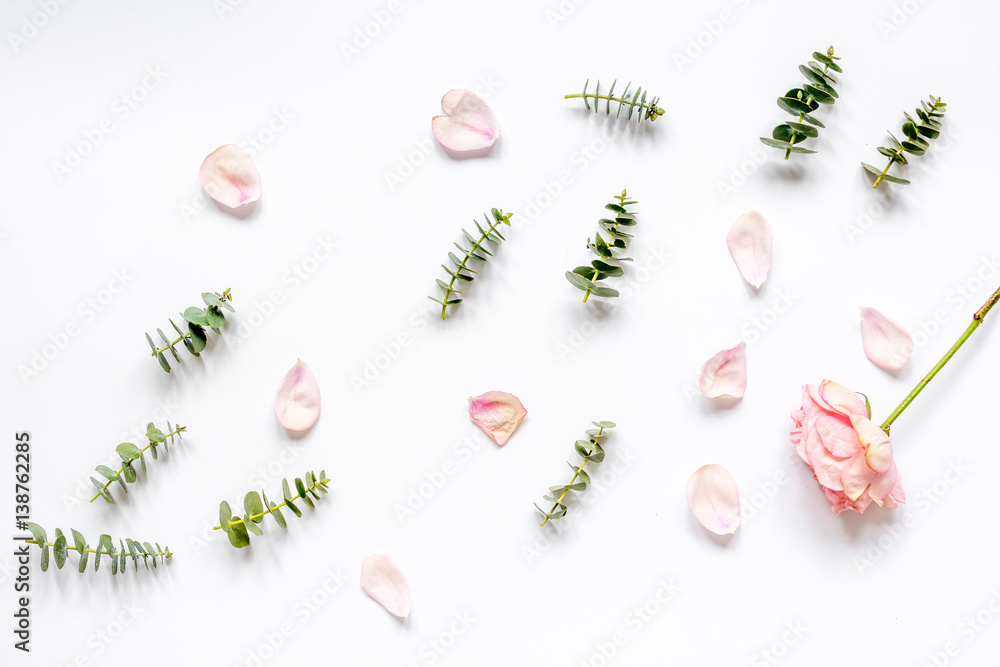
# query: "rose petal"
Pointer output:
{"type": "Point", "coordinates": [230, 177]}
{"type": "Point", "coordinates": [497, 413]}
{"type": "Point", "coordinates": [878, 447]}
{"type": "Point", "coordinates": [841, 399]}
{"type": "Point", "coordinates": [384, 582]}
{"type": "Point", "coordinates": [714, 499]}
{"type": "Point", "coordinates": [469, 123]}
{"type": "Point", "coordinates": [725, 374]}
{"type": "Point", "coordinates": [750, 242]}
{"type": "Point", "coordinates": [856, 476]}
{"type": "Point", "coordinates": [296, 405]}
{"type": "Point", "coordinates": [886, 344]}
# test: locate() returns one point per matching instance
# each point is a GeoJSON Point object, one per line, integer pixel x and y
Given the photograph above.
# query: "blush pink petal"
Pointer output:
{"type": "Point", "coordinates": [468, 124]}
{"type": "Point", "coordinates": [714, 499]}
{"type": "Point", "coordinates": [856, 476]}
{"type": "Point", "coordinates": [886, 344]}
{"type": "Point", "coordinates": [230, 177]}
{"type": "Point", "coordinates": [497, 413]}
{"type": "Point", "coordinates": [384, 582]}
{"type": "Point", "coordinates": [878, 447]}
{"type": "Point", "coordinates": [725, 374]}
{"type": "Point", "coordinates": [842, 399]}
{"type": "Point", "coordinates": [296, 403]}
{"type": "Point", "coordinates": [750, 243]}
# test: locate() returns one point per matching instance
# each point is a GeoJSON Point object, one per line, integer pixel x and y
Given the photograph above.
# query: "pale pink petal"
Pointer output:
{"type": "Point", "coordinates": [884, 483]}
{"type": "Point", "coordinates": [878, 447]}
{"type": "Point", "coordinates": [856, 476]}
{"type": "Point", "coordinates": [383, 581]}
{"type": "Point", "coordinates": [296, 405]}
{"type": "Point", "coordinates": [750, 243]}
{"type": "Point", "coordinates": [886, 344]}
{"type": "Point", "coordinates": [725, 374]}
{"type": "Point", "coordinates": [714, 499]}
{"type": "Point", "coordinates": [468, 123]}
{"type": "Point", "coordinates": [841, 399]}
{"type": "Point", "coordinates": [497, 413]}
{"type": "Point", "coordinates": [230, 177]}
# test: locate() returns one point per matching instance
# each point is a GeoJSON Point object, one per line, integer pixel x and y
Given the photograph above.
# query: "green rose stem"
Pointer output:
{"type": "Point", "coordinates": [142, 451]}
{"type": "Point", "coordinates": [977, 319]}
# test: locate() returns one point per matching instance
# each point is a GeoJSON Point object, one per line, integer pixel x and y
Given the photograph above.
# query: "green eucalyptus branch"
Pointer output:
{"type": "Point", "coordinates": [462, 273]}
{"type": "Point", "coordinates": [129, 453]}
{"type": "Point", "coordinates": [607, 265]}
{"type": "Point", "coordinates": [195, 339]}
{"type": "Point", "coordinates": [128, 549]}
{"type": "Point", "coordinates": [915, 143]}
{"type": "Point", "coordinates": [257, 506]}
{"type": "Point", "coordinates": [637, 103]}
{"type": "Point", "coordinates": [589, 450]}
{"type": "Point", "coordinates": [803, 101]}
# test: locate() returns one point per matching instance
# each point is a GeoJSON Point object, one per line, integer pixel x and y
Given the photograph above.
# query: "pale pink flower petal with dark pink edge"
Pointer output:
{"type": "Point", "coordinates": [750, 243]}
{"type": "Point", "coordinates": [296, 404]}
{"type": "Point", "coordinates": [497, 413]}
{"type": "Point", "coordinates": [725, 374]}
{"type": "Point", "coordinates": [886, 344]}
{"type": "Point", "coordinates": [468, 124]}
{"type": "Point", "coordinates": [385, 583]}
{"type": "Point", "coordinates": [714, 499]}
{"type": "Point", "coordinates": [230, 177]}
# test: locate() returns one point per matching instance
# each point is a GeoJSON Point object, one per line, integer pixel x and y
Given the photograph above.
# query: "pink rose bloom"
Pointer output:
{"type": "Point", "coordinates": [850, 456]}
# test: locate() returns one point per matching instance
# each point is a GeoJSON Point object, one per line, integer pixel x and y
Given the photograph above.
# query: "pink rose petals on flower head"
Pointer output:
{"type": "Point", "coordinates": [230, 177]}
{"type": "Point", "coordinates": [850, 456]}
{"type": "Point", "coordinates": [296, 405]}
{"type": "Point", "coordinates": [750, 242]}
{"type": "Point", "coordinates": [725, 374]}
{"type": "Point", "coordinates": [886, 344]}
{"type": "Point", "coordinates": [497, 413]}
{"type": "Point", "coordinates": [714, 499]}
{"type": "Point", "coordinates": [468, 124]}
{"type": "Point", "coordinates": [384, 582]}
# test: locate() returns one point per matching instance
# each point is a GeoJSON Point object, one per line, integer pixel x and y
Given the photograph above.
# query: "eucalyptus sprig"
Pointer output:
{"type": "Point", "coordinates": [257, 506]}
{"type": "Point", "coordinates": [915, 143]}
{"type": "Point", "coordinates": [803, 101]}
{"type": "Point", "coordinates": [589, 450]}
{"type": "Point", "coordinates": [607, 265]}
{"type": "Point", "coordinates": [130, 548]}
{"type": "Point", "coordinates": [635, 102]}
{"type": "Point", "coordinates": [129, 453]}
{"type": "Point", "coordinates": [462, 273]}
{"type": "Point", "coordinates": [195, 339]}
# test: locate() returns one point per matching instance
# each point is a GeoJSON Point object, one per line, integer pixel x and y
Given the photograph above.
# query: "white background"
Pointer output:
{"type": "Point", "coordinates": [889, 587]}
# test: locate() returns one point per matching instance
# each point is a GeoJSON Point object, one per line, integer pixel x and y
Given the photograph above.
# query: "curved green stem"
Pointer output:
{"type": "Point", "coordinates": [141, 452]}
{"type": "Point", "coordinates": [572, 481]}
{"type": "Point", "coordinates": [622, 101]}
{"type": "Point", "coordinates": [977, 319]}
{"type": "Point", "coordinates": [169, 347]}
{"type": "Point", "coordinates": [454, 276]}
{"type": "Point", "coordinates": [269, 510]}
{"type": "Point", "coordinates": [164, 554]}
